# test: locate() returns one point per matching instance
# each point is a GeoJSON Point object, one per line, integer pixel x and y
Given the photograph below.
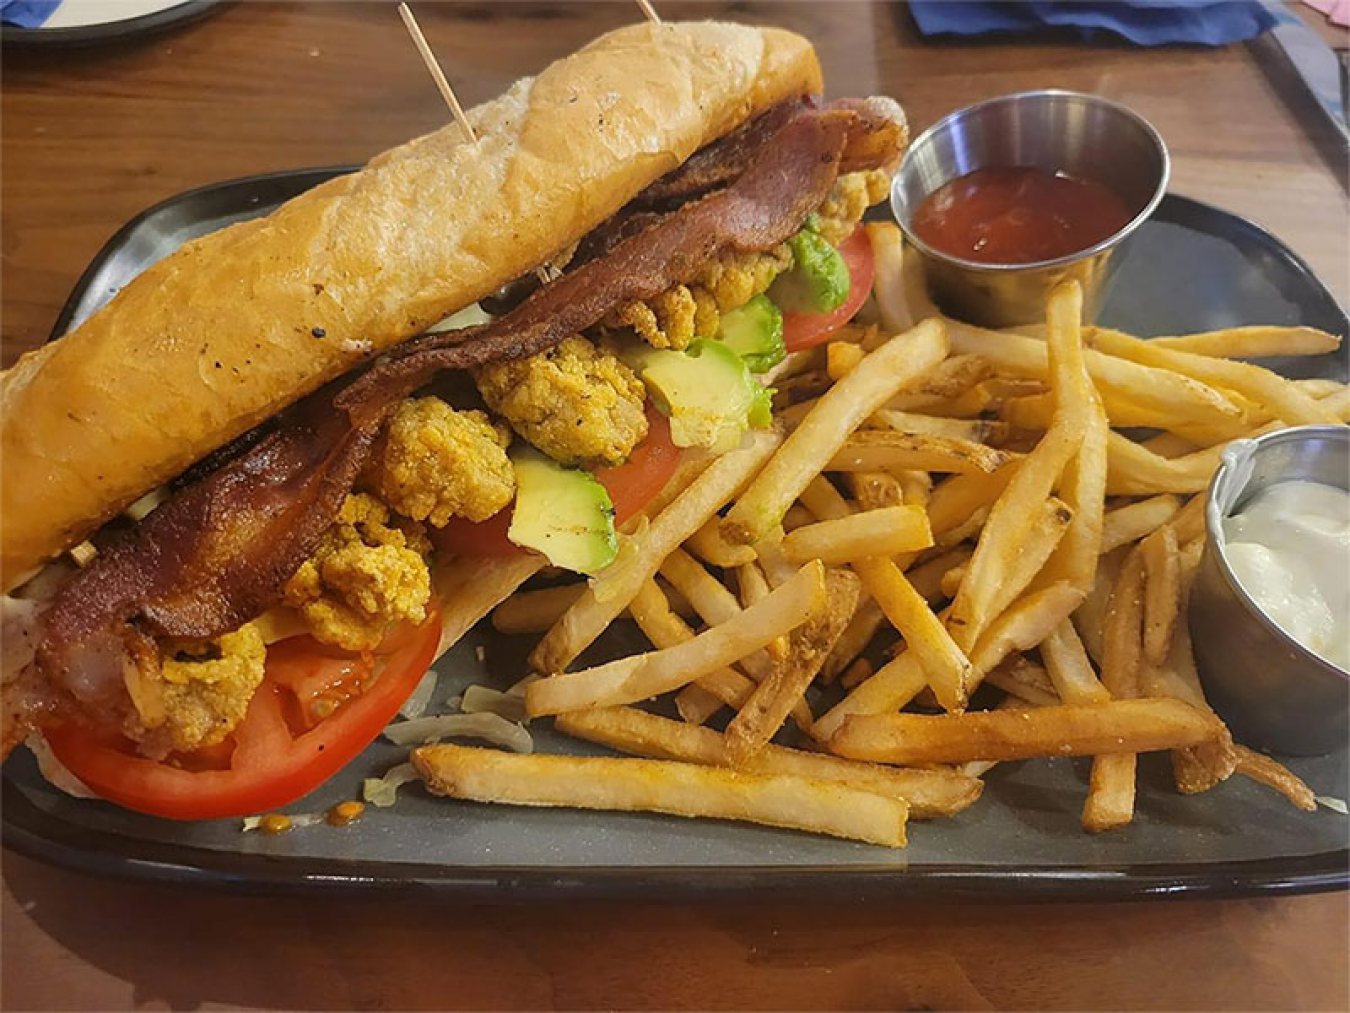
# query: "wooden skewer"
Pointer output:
{"type": "Point", "coordinates": [650, 11]}
{"type": "Point", "coordinates": [434, 68]}
{"type": "Point", "coordinates": [447, 93]}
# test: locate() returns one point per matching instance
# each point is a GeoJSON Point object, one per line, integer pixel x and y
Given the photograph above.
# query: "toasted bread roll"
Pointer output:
{"type": "Point", "coordinates": [237, 325]}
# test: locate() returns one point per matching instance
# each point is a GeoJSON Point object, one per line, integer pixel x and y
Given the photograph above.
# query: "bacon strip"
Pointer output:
{"type": "Point", "coordinates": [217, 553]}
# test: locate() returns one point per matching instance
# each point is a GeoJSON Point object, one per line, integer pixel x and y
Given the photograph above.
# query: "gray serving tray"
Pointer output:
{"type": "Point", "coordinates": [1192, 267]}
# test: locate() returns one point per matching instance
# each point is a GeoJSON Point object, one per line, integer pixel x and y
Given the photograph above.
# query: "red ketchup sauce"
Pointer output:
{"type": "Point", "coordinates": [1018, 216]}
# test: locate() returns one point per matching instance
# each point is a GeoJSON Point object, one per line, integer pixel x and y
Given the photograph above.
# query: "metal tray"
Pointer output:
{"type": "Point", "coordinates": [1193, 267]}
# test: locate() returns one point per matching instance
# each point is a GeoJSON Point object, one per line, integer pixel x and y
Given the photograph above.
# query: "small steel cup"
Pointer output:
{"type": "Point", "coordinates": [1059, 131]}
{"type": "Point", "coordinates": [1272, 691]}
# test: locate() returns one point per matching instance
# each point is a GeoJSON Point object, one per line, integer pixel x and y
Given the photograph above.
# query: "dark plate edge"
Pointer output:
{"type": "Point", "coordinates": [45, 839]}
{"type": "Point", "coordinates": [90, 35]}
{"type": "Point", "coordinates": [28, 831]}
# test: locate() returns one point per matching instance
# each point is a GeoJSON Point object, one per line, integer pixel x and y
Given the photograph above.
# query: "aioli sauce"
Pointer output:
{"type": "Point", "coordinates": [1018, 215]}
{"type": "Point", "coordinates": [1289, 548]}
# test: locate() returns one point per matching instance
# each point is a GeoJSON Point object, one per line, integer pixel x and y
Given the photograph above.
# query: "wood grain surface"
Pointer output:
{"type": "Point", "coordinates": [93, 136]}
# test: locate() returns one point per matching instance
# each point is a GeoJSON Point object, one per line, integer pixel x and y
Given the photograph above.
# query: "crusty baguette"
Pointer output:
{"type": "Point", "coordinates": [237, 325]}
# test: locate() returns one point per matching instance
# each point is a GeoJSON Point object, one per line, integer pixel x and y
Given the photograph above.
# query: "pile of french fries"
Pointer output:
{"type": "Point", "coordinates": [946, 556]}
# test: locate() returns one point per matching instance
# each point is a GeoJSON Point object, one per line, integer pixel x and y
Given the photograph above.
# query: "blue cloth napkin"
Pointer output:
{"type": "Point", "coordinates": [27, 13]}
{"type": "Point", "coordinates": [1143, 22]}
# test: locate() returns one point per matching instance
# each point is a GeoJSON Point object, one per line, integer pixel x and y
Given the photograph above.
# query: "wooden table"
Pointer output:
{"type": "Point", "coordinates": [93, 136]}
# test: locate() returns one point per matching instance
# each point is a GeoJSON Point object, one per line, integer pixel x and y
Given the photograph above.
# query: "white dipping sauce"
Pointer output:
{"type": "Point", "coordinates": [1289, 548]}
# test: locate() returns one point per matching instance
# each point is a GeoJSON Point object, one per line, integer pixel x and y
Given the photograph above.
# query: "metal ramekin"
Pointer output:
{"type": "Point", "coordinates": [1060, 131]}
{"type": "Point", "coordinates": [1272, 691]}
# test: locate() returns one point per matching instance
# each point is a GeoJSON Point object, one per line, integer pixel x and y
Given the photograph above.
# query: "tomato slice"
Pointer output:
{"type": "Point", "coordinates": [635, 483]}
{"type": "Point", "coordinates": [631, 486]}
{"type": "Point", "coordinates": [271, 764]}
{"type": "Point", "coordinates": [803, 330]}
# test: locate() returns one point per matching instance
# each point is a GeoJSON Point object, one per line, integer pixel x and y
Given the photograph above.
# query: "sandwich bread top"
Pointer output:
{"type": "Point", "coordinates": [235, 326]}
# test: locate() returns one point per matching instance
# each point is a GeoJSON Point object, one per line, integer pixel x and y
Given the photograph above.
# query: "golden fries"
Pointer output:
{"type": "Point", "coordinates": [631, 679]}
{"type": "Point", "coordinates": [784, 686]}
{"type": "Point", "coordinates": [877, 450]}
{"type": "Point", "coordinates": [1133, 521]}
{"type": "Point", "coordinates": [678, 789]}
{"type": "Point", "coordinates": [1278, 397]}
{"type": "Point", "coordinates": [946, 669]}
{"type": "Point", "coordinates": [930, 792]}
{"type": "Point", "coordinates": [708, 544]}
{"type": "Point", "coordinates": [1254, 342]}
{"type": "Point", "coordinates": [1117, 726]}
{"type": "Point", "coordinates": [839, 411]}
{"type": "Point", "coordinates": [885, 532]}
{"type": "Point", "coordinates": [1162, 593]}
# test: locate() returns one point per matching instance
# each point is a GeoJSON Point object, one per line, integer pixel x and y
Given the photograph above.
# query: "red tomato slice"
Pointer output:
{"type": "Point", "coordinates": [803, 330]}
{"type": "Point", "coordinates": [631, 486]}
{"type": "Point", "coordinates": [635, 483]}
{"type": "Point", "coordinates": [271, 765]}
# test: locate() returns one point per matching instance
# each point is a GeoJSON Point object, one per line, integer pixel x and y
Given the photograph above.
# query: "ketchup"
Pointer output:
{"type": "Point", "coordinates": [1018, 216]}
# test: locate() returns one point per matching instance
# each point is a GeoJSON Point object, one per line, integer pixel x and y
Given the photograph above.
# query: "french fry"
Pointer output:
{"type": "Point", "coordinates": [951, 378]}
{"type": "Point", "coordinates": [709, 597]}
{"type": "Point", "coordinates": [1066, 663]}
{"type": "Point", "coordinates": [895, 684]}
{"type": "Point", "coordinates": [1133, 521]}
{"type": "Point", "coordinates": [1017, 508]}
{"type": "Point", "coordinates": [959, 498]}
{"type": "Point", "coordinates": [1189, 523]}
{"type": "Point", "coordinates": [678, 789]}
{"type": "Point", "coordinates": [1162, 593]}
{"type": "Point", "coordinates": [639, 677]}
{"type": "Point", "coordinates": [969, 404]}
{"type": "Point", "coordinates": [930, 792]}
{"type": "Point", "coordinates": [535, 611]}
{"type": "Point", "coordinates": [876, 489]}
{"type": "Point", "coordinates": [708, 544]}
{"type": "Point", "coordinates": [929, 576]}
{"type": "Point", "coordinates": [1133, 470]}
{"type": "Point", "coordinates": [946, 668]}
{"type": "Point", "coordinates": [888, 286]}
{"type": "Point", "coordinates": [752, 584]}
{"type": "Point", "coordinates": [1257, 342]}
{"type": "Point", "coordinates": [1084, 489]}
{"type": "Point", "coordinates": [885, 532]}
{"type": "Point", "coordinates": [1277, 396]}
{"type": "Point", "coordinates": [859, 671]}
{"type": "Point", "coordinates": [824, 500]}
{"type": "Point", "coordinates": [1273, 774]}
{"type": "Point", "coordinates": [841, 357]}
{"type": "Point", "coordinates": [916, 487]}
{"type": "Point", "coordinates": [1026, 567]}
{"type": "Point", "coordinates": [1320, 387]}
{"type": "Point", "coordinates": [879, 449]}
{"type": "Point", "coordinates": [659, 624]}
{"type": "Point", "coordinates": [783, 688]}
{"type": "Point", "coordinates": [867, 619]}
{"type": "Point", "coordinates": [1169, 445]}
{"type": "Point", "coordinates": [1024, 679]}
{"type": "Point", "coordinates": [951, 581]}
{"type": "Point", "coordinates": [1098, 729]}
{"type": "Point", "coordinates": [610, 592]}
{"type": "Point", "coordinates": [970, 430]}
{"type": "Point", "coordinates": [1110, 801]}
{"type": "Point", "coordinates": [1160, 391]}
{"type": "Point", "coordinates": [839, 411]}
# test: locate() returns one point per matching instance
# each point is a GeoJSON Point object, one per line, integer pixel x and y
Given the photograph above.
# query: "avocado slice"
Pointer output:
{"type": "Point", "coordinates": [565, 513]}
{"type": "Point", "coordinates": [818, 281]}
{"type": "Point", "coordinates": [706, 390]}
{"type": "Point", "coordinates": [755, 333]}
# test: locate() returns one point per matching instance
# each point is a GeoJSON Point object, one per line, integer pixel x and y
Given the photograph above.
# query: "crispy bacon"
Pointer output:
{"type": "Point", "coordinates": [218, 552]}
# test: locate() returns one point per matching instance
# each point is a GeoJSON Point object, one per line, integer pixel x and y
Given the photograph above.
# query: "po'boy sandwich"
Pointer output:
{"type": "Point", "coordinates": [248, 503]}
